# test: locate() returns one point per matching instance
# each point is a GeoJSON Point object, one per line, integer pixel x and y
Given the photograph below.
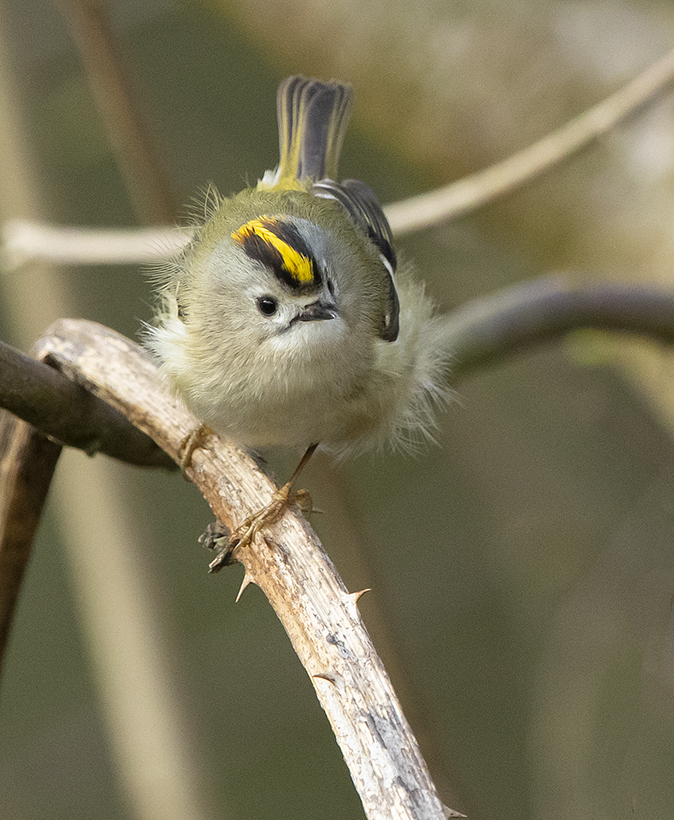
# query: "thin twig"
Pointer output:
{"type": "Point", "coordinates": [144, 178]}
{"type": "Point", "coordinates": [24, 241]}
{"type": "Point", "coordinates": [471, 192]}
{"type": "Point", "coordinates": [288, 564]}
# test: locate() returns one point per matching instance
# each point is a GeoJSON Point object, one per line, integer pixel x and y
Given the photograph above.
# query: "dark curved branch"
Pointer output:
{"type": "Point", "coordinates": [27, 464]}
{"type": "Point", "coordinates": [59, 408]}
{"type": "Point", "coordinates": [487, 330]}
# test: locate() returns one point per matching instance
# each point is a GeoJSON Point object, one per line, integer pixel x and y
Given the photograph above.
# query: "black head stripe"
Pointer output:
{"type": "Point", "coordinates": [279, 246]}
{"type": "Point", "coordinates": [260, 250]}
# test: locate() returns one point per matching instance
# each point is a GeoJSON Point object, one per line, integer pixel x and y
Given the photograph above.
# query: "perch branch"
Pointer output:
{"type": "Point", "coordinates": [481, 333]}
{"type": "Point", "coordinates": [288, 564]}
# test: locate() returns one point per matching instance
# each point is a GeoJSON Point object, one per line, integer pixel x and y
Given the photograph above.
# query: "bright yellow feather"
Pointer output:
{"type": "Point", "coordinates": [300, 267]}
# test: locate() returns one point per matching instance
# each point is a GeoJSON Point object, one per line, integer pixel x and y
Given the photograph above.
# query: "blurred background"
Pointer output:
{"type": "Point", "coordinates": [522, 570]}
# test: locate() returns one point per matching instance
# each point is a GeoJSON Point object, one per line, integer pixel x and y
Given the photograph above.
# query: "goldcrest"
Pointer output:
{"type": "Point", "coordinates": [287, 320]}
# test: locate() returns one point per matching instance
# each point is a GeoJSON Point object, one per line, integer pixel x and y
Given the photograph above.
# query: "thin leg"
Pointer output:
{"type": "Point", "coordinates": [303, 463]}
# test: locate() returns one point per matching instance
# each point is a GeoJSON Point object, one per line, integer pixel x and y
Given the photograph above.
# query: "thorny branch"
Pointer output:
{"type": "Point", "coordinates": [287, 563]}
{"type": "Point", "coordinates": [481, 333]}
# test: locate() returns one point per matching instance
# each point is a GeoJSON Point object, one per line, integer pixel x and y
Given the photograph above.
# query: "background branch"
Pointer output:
{"type": "Point", "coordinates": [487, 330]}
{"type": "Point", "coordinates": [41, 396]}
{"type": "Point", "coordinates": [476, 190]}
{"type": "Point", "coordinates": [24, 241]}
{"type": "Point", "coordinates": [144, 178]}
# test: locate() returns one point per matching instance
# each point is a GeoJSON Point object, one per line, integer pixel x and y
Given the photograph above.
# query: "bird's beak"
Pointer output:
{"type": "Point", "coordinates": [318, 310]}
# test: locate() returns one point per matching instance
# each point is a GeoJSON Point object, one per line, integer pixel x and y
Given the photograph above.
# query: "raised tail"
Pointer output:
{"type": "Point", "coordinates": [312, 120]}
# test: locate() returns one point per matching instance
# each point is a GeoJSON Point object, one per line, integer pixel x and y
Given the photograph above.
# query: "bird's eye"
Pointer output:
{"type": "Point", "coordinates": [267, 305]}
{"type": "Point", "coordinates": [331, 288]}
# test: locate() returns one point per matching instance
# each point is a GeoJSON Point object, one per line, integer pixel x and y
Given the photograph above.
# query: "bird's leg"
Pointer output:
{"type": "Point", "coordinates": [270, 514]}
{"type": "Point", "coordinates": [280, 501]}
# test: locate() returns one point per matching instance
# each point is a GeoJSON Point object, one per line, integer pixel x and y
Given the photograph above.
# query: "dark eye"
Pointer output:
{"type": "Point", "coordinates": [267, 305]}
{"type": "Point", "coordinates": [331, 288]}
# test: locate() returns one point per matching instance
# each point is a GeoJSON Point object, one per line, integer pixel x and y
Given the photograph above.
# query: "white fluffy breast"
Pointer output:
{"type": "Point", "coordinates": [319, 382]}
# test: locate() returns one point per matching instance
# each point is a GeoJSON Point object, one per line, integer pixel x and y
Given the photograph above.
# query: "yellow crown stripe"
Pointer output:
{"type": "Point", "coordinates": [299, 266]}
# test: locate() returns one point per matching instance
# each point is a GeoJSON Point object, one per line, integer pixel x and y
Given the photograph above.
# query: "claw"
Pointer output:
{"type": "Point", "coordinates": [193, 440]}
{"type": "Point", "coordinates": [303, 499]}
{"type": "Point", "coordinates": [244, 534]}
{"type": "Point", "coordinates": [223, 559]}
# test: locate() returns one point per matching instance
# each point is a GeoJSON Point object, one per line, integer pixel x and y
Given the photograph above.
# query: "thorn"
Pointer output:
{"type": "Point", "coordinates": [328, 678]}
{"type": "Point", "coordinates": [246, 580]}
{"type": "Point", "coordinates": [354, 597]}
{"type": "Point", "coordinates": [449, 813]}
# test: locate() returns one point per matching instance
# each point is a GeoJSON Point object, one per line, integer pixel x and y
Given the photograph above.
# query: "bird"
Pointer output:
{"type": "Point", "coordinates": [289, 320]}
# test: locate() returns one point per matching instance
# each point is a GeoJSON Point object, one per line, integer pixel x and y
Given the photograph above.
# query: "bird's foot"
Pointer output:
{"type": "Point", "coordinates": [193, 440]}
{"type": "Point", "coordinates": [218, 537]}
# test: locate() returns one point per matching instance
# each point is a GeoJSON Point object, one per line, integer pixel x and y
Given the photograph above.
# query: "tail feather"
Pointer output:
{"type": "Point", "coordinates": [312, 120]}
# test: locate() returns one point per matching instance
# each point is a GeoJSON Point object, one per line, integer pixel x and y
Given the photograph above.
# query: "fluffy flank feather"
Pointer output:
{"type": "Point", "coordinates": [410, 380]}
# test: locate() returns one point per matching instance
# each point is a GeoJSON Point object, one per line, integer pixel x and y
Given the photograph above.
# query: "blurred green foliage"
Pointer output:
{"type": "Point", "coordinates": [523, 569]}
